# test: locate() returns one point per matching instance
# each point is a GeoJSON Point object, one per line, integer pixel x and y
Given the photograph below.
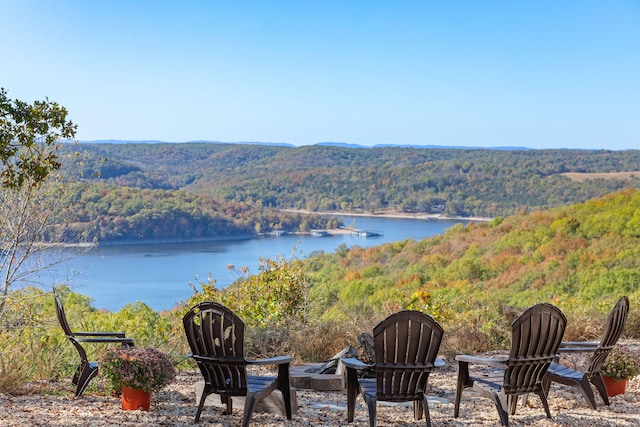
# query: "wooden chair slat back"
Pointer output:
{"type": "Point", "coordinates": [216, 332]}
{"type": "Point", "coordinates": [535, 338]}
{"type": "Point", "coordinates": [612, 332]}
{"type": "Point", "coordinates": [406, 345]}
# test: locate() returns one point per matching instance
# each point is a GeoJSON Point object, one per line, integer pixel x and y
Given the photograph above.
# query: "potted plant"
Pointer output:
{"type": "Point", "coordinates": [137, 372]}
{"type": "Point", "coordinates": [621, 365]}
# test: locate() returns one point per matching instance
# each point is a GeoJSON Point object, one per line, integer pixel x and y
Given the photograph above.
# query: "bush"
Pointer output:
{"type": "Point", "coordinates": [142, 368]}
{"type": "Point", "coordinates": [621, 363]}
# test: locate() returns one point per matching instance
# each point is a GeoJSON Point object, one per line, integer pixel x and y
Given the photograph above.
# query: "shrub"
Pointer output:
{"type": "Point", "coordinates": [622, 363]}
{"type": "Point", "coordinates": [143, 368]}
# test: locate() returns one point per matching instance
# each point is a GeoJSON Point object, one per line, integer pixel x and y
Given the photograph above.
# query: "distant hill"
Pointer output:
{"type": "Point", "coordinates": [284, 144]}
{"type": "Point", "coordinates": [461, 182]}
{"type": "Point", "coordinates": [117, 141]}
{"type": "Point", "coordinates": [452, 147]}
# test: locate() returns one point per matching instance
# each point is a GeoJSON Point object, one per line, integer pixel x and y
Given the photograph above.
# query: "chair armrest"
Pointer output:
{"type": "Point", "coordinates": [577, 346]}
{"type": "Point", "coordinates": [214, 359]}
{"type": "Point", "coordinates": [277, 360]}
{"type": "Point", "coordinates": [355, 364]}
{"type": "Point", "coordinates": [128, 341]}
{"type": "Point", "coordinates": [100, 334]}
{"type": "Point", "coordinates": [482, 360]}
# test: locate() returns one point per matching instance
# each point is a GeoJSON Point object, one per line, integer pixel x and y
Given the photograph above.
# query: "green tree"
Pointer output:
{"type": "Point", "coordinates": [31, 190]}
{"type": "Point", "coordinates": [29, 135]}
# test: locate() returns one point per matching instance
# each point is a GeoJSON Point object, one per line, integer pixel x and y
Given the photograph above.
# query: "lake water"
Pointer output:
{"type": "Point", "coordinates": [159, 274]}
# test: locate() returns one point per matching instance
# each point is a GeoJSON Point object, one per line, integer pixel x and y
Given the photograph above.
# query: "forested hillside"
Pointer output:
{"type": "Point", "coordinates": [141, 191]}
{"type": "Point", "coordinates": [455, 182]}
{"type": "Point", "coordinates": [581, 257]}
{"type": "Point", "coordinates": [120, 214]}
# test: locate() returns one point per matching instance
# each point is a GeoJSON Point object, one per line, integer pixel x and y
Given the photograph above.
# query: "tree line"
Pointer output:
{"type": "Point", "coordinates": [110, 213]}
{"type": "Point", "coordinates": [452, 182]}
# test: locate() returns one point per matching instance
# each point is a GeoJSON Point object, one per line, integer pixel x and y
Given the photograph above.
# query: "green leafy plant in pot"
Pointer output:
{"type": "Point", "coordinates": [137, 372]}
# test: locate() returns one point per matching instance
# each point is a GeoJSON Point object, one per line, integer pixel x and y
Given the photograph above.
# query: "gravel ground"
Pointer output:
{"type": "Point", "coordinates": [54, 405]}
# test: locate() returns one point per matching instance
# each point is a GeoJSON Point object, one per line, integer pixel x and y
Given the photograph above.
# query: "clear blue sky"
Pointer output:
{"type": "Point", "coordinates": [539, 74]}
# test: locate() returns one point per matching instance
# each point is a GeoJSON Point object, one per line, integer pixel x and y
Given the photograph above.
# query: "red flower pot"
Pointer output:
{"type": "Point", "coordinates": [135, 398]}
{"type": "Point", "coordinates": [614, 387]}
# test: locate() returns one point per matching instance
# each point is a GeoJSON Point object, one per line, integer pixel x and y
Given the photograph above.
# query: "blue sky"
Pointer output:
{"type": "Point", "coordinates": [538, 74]}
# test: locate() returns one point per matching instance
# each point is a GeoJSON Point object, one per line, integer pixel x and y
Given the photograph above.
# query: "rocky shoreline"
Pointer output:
{"type": "Point", "coordinates": [391, 214]}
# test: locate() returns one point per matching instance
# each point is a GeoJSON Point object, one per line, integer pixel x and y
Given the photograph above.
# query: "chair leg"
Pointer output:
{"type": "Point", "coordinates": [464, 381]}
{"type": "Point", "coordinates": [353, 389]}
{"type": "Point", "coordinates": [228, 401]}
{"type": "Point", "coordinates": [513, 403]}
{"type": "Point", "coordinates": [585, 388]}
{"type": "Point", "coordinates": [285, 388]}
{"type": "Point", "coordinates": [545, 403]}
{"type": "Point", "coordinates": [200, 405]}
{"type": "Point", "coordinates": [596, 380]}
{"type": "Point", "coordinates": [83, 376]}
{"type": "Point", "coordinates": [418, 409]}
{"type": "Point", "coordinates": [425, 404]}
{"type": "Point", "coordinates": [546, 385]}
{"type": "Point", "coordinates": [501, 404]}
{"type": "Point", "coordinates": [371, 406]}
{"type": "Point", "coordinates": [249, 406]}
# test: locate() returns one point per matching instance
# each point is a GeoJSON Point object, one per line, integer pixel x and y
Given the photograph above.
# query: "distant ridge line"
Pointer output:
{"type": "Point", "coordinates": [326, 144]}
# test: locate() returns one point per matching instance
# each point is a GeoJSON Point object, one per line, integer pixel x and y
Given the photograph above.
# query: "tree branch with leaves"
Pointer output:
{"type": "Point", "coordinates": [31, 189]}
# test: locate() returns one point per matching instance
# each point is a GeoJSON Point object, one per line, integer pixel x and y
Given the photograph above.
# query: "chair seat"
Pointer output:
{"type": "Point", "coordinates": [368, 387]}
{"type": "Point", "coordinates": [492, 383]}
{"type": "Point", "coordinates": [256, 383]}
{"type": "Point", "coordinates": [564, 371]}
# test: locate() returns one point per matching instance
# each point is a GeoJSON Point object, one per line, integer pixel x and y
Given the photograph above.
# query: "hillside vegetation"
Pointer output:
{"type": "Point", "coordinates": [456, 182]}
{"type": "Point", "coordinates": [242, 187]}
{"type": "Point", "coordinates": [581, 258]}
{"type": "Point", "coordinates": [473, 279]}
{"type": "Point", "coordinates": [121, 214]}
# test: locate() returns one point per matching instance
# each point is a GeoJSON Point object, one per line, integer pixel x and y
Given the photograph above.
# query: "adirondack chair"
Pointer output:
{"type": "Point", "coordinates": [216, 338]}
{"type": "Point", "coordinates": [406, 345]}
{"type": "Point", "coordinates": [535, 338]}
{"type": "Point", "coordinates": [583, 380]}
{"type": "Point", "coordinates": [86, 370]}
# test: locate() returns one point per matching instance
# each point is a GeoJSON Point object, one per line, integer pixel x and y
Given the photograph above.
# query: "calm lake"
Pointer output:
{"type": "Point", "coordinates": [159, 274]}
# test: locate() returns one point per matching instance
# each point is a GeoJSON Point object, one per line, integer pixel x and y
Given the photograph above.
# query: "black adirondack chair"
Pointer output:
{"type": "Point", "coordinates": [86, 369]}
{"type": "Point", "coordinates": [582, 380]}
{"type": "Point", "coordinates": [216, 338]}
{"type": "Point", "coordinates": [406, 345]}
{"type": "Point", "coordinates": [535, 338]}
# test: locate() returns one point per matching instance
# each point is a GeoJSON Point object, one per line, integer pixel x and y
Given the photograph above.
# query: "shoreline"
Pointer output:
{"type": "Point", "coordinates": [176, 241]}
{"type": "Point", "coordinates": [341, 230]}
{"type": "Point", "coordinates": [398, 215]}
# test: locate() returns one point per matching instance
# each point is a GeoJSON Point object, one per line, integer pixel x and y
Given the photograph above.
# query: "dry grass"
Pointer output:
{"type": "Point", "coordinates": [632, 327]}
{"type": "Point", "coordinates": [581, 177]}
{"type": "Point", "coordinates": [323, 340]}
{"type": "Point", "coordinates": [465, 340]}
{"type": "Point", "coordinates": [584, 327]}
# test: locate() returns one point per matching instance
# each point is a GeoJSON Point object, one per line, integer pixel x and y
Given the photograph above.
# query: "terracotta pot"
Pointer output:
{"type": "Point", "coordinates": [135, 398]}
{"type": "Point", "coordinates": [614, 387]}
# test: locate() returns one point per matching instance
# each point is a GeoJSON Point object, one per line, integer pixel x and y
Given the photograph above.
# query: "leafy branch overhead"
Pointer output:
{"type": "Point", "coordinates": [28, 139]}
